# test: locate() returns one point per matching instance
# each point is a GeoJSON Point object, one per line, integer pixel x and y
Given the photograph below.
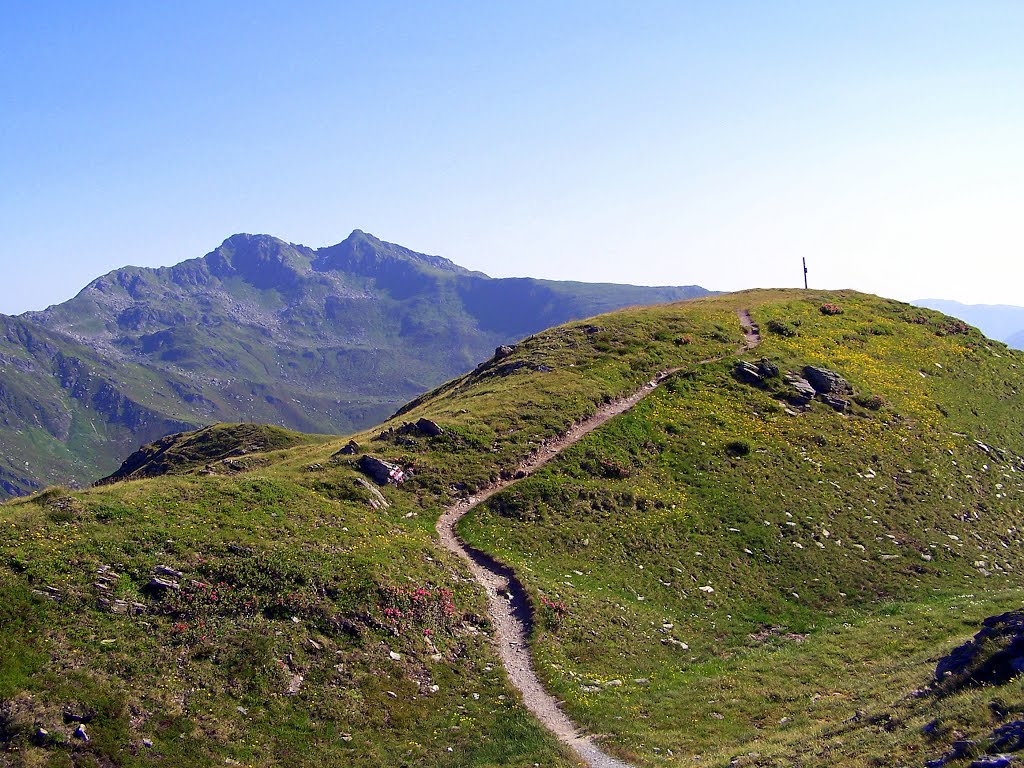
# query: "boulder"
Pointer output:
{"type": "Point", "coordinates": [994, 761]}
{"type": "Point", "coordinates": [1008, 737]}
{"type": "Point", "coordinates": [380, 471]}
{"type": "Point", "coordinates": [503, 351]}
{"type": "Point", "coordinates": [747, 372]}
{"type": "Point", "coordinates": [429, 428]}
{"type": "Point", "coordinates": [801, 390]}
{"type": "Point", "coordinates": [351, 448]}
{"type": "Point", "coordinates": [825, 381]}
{"type": "Point", "coordinates": [156, 584]}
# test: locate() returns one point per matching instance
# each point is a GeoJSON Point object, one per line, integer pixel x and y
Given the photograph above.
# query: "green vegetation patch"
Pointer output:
{"type": "Point", "coordinates": [726, 571]}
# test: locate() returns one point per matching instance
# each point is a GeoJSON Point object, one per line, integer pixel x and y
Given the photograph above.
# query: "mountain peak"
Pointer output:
{"type": "Point", "coordinates": [264, 261]}
{"type": "Point", "coordinates": [362, 252]}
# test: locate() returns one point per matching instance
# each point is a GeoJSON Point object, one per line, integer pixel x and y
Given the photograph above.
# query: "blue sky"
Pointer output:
{"type": "Point", "coordinates": [648, 142]}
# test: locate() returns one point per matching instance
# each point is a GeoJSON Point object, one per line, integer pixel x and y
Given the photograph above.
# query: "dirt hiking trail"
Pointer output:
{"type": "Point", "coordinates": [507, 603]}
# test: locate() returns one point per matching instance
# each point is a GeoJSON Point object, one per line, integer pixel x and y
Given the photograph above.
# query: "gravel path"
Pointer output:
{"type": "Point", "coordinates": [507, 603]}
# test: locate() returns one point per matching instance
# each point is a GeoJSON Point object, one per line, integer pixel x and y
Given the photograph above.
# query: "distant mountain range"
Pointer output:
{"type": "Point", "coordinates": [325, 340]}
{"type": "Point", "coordinates": [997, 321]}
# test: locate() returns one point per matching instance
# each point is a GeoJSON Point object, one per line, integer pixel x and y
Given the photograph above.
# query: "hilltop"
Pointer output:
{"type": "Point", "coordinates": [325, 340]}
{"type": "Point", "coordinates": [759, 563]}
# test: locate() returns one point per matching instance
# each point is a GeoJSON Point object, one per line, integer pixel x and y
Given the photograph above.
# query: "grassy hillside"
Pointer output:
{"type": "Point", "coordinates": [724, 574]}
{"type": "Point", "coordinates": [328, 340]}
{"type": "Point", "coordinates": [767, 573]}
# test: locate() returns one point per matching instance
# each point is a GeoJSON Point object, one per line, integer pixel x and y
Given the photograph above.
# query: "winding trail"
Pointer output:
{"type": "Point", "coordinates": [507, 602]}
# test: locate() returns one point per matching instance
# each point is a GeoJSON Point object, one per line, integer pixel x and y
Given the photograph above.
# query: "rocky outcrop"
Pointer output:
{"type": "Point", "coordinates": [351, 448]}
{"type": "Point", "coordinates": [755, 374]}
{"type": "Point", "coordinates": [374, 497]}
{"type": "Point", "coordinates": [827, 382]}
{"type": "Point", "coordinates": [994, 656]}
{"type": "Point", "coordinates": [800, 390]}
{"type": "Point", "coordinates": [185, 452]}
{"type": "Point", "coordinates": [429, 428]}
{"type": "Point", "coordinates": [747, 372]}
{"type": "Point", "coordinates": [1008, 737]}
{"type": "Point", "coordinates": [835, 402]}
{"type": "Point", "coordinates": [380, 471]}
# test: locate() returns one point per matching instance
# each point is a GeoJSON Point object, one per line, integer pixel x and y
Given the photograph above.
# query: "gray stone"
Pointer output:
{"type": "Point", "coordinates": [747, 372]}
{"type": "Point", "coordinates": [377, 500]}
{"type": "Point", "coordinates": [503, 351]}
{"type": "Point", "coordinates": [826, 381]}
{"type": "Point", "coordinates": [801, 390]}
{"type": "Point", "coordinates": [837, 403]}
{"type": "Point", "coordinates": [962, 748]}
{"type": "Point", "coordinates": [166, 570]}
{"type": "Point", "coordinates": [159, 585]}
{"type": "Point", "coordinates": [81, 734]}
{"type": "Point", "coordinates": [378, 470]}
{"type": "Point", "coordinates": [351, 448]}
{"type": "Point", "coordinates": [767, 368]}
{"type": "Point", "coordinates": [994, 761]}
{"type": "Point", "coordinates": [1008, 737]}
{"type": "Point", "coordinates": [994, 656]}
{"type": "Point", "coordinates": [429, 428]}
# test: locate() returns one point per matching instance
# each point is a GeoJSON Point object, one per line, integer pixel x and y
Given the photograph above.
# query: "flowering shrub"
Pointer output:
{"type": "Point", "coordinates": [829, 308]}
{"type": "Point", "coordinates": [198, 598]}
{"type": "Point", "coordinates": [953, 327]}
{"type": "Point", "coordinates": [552, 612]}
{"type": "Point", "coordinates": [427, 610]}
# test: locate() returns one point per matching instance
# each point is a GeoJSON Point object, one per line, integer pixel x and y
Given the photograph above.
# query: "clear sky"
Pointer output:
{"type": "Point", "coordinates": [646, 142]}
